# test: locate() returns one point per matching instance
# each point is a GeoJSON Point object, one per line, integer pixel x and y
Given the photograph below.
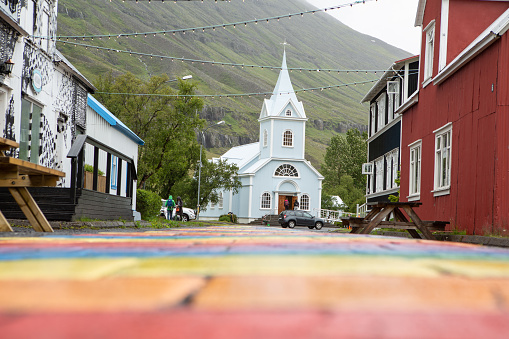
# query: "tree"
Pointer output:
{"type": "Point", "coordinates": [350, 194]}
{"type": "Point", "coordinates": [345, 156]}
{"type": "Point", "coordinates": [165, 122]}
{"type": "Point", "coordinates": [215, 176]}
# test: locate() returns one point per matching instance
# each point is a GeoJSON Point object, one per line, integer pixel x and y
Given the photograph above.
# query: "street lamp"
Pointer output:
{"type": "Point", "coordinates": [199, 168]}
{"type": "Point", "coordinates": [185, 77]}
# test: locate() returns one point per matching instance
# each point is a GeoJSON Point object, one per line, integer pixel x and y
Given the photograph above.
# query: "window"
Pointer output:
{"type": "Point", "coordinates": [30, 127]}
{"type": "Point", "coordinates": [220, 202]}
{"type": "Point", "coordinates": [380, 105]}
{"type": "Point", "coordinates": [429, 51]}
{"type": "Point", "coordinates": [443, 158]}
{"type": "Point", "coordinates": [286, 170]}
{"type": "Point", "coordinates": [288, 139]}
{"type": "Point", "coordinates": [367, 168]}
{"type": "Point", "coordinates": [212, 204]}
{"type": "Point", "coordinates": [265, 138]}
{"type": "Point", "coordinates": [395, 167]}
{"type": "Point", "coordinates": [304, 202]}
{"type": "Point", "coordinates": [415, 168]}
{"type": "Point", "coordinates": [266, 201]}
{"type": "Point", "coordinates": [114, 172]}
{"type": "Point", "coordinates": [373, 118]}
{"type": "Point", "coordinates": [393, 98]}
{"type": "Point", "coordinates": [379, 174]}
{"type": "Point", "coordinates": [288, 112]}
{"type": "Point", "coordinates": [388, 171]}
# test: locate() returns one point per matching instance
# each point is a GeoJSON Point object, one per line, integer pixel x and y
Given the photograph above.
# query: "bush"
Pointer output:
{"type": "Point", "coordinates": [148, 204]}
{"type": "Point", "coordinates": [90, 168]}
{"type": "Point", "coordinates": [230, 217]}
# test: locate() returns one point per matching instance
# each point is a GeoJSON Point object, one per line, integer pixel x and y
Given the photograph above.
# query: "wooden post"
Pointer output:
{"type": "Point", "coordinates": [108, 172]}
{"type": "Point", "coordinates": [4, 224]}
{"type": "Point", "coordinates": [96, 168]}
{"type": "Point", "coordinates": [29, 207]}
{"type": "Point", "coordinates": [119, 177]}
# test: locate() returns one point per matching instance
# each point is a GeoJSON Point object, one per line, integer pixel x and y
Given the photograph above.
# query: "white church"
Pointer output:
{"type": "Point", "coordinates": [273, 169]}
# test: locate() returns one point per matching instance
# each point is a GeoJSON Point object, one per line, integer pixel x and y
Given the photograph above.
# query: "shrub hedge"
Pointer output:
{"type": "Point", "coordinates": [148, 204]}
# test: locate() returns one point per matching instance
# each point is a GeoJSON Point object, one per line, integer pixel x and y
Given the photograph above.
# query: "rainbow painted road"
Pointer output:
{"type": "Point", "coordinates": [250, 282]}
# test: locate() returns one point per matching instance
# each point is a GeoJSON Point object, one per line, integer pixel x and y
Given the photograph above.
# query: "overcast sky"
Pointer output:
{"type": "Point", "coordinates": [389, 20]}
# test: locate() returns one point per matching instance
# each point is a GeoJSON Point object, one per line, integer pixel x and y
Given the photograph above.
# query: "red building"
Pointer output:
{"type": "Point", "coordinates": [455, 139]}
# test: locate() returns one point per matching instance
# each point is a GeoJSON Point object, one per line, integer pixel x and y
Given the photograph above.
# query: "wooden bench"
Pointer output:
{"type": "Point", "coordinates": [356, 224]}
{"type": "Point", "coordinates": [17, 175]}
{"type": "Point", "coordinates": [382, 210]}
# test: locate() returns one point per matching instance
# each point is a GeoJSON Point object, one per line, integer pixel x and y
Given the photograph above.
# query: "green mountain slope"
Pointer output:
{"type": "Point", "coordinates": [316, 41]}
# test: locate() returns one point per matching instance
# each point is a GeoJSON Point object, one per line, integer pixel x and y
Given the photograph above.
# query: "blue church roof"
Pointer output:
{"type": "Point", "coordinates": [112, 120]}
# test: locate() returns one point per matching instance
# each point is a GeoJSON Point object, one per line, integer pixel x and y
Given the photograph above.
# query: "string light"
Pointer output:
{"type": "Point", "coordinates": [213, 27]}
{"type": "Point", "coordinates": [300, 69]}
{"type": "Point", "coordinates": [241, 94]}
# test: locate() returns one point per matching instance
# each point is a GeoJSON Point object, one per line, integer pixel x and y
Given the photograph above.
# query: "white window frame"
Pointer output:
{"type": "Point", "coordinates": [429, 33]}
{"type": "Point", "coordinates": [288, 142]}
{"type": "Point", "coordinates": [221, 201]}
{"type": "Point", "coordinates": [265, 138]}
{"type": "Point", "coordinates": [379, 174]}
{"type": "Point", "coordinates": [373, 117]}
{"type": "Point", "coordinates": [114, 172]}
{"type": "Point", "coordinates": [443, 160]}
{"type": "Point", "coordinates": [266, 201]}
{"type": "Point", "coordinates": [395, 167]}
{"type": "Point", "coordinates": [388, 171]}
{"type": "Point", "coordinates": [381, 107]}
{"type": "Point", "coordinates": [393, 97]}
{"type": "Point", "coordinates": [414, 184]}
{"type": "Point", "coordinates": [287, 170]}
{"type": "Point", "coordinates": [367, 168]}
{"type": "Point", "coordinates": [305, 202]}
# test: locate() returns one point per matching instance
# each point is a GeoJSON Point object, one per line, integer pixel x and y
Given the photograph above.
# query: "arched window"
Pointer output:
{"type": "Point", "coordinates": [266, 201]}
{"type": "Point", "coordinates": [288, 112]}
{"type": "Point", "coordinates": [288, 138]}
{"type": "Point", "coordinates": [304, 202]}
{"type": "Point", "coordinates": [286, 170]}
{"type": "Point", "coordinates": [265, 138]}
{"type": "Point", "coordinates": [220, 202]}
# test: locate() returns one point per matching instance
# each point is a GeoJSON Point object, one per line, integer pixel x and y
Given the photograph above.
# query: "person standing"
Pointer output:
{"type": "Point", "coordinates": [296, 204]}
{"type": "Point", "coordinates": [179, 208]}
{"type": "Point", "coordinates": [170, 204]}
{"type": "Point", "coordinates": [287, 204]}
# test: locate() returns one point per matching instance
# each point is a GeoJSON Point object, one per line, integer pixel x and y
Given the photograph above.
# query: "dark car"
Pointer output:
{"type": "Point", "coordinates": [292, 218]}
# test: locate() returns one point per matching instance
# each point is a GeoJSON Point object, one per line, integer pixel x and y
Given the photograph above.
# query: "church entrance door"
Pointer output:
{"type": "Point", "coordinates": [281, 203]}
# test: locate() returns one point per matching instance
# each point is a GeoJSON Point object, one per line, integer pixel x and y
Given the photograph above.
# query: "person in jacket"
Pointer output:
{"type": "Point", "coordinates": [170, 204]}
{"type": "Point", "coordinates": [179, 211]}
{"type": "Point", "coordinates": [287, 204]}
{"type": "Point", "coordinates": [296, 204]}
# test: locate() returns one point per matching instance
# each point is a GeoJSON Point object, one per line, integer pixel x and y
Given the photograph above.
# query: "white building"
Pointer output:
{"type": "Point", "coordinates": [43, 107]}
{"type": "Point", "coordinates": [273, 169]}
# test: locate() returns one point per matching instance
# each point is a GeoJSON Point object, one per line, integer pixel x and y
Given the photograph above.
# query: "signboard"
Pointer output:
{"type": "Point", "coordinates": [37, 80]}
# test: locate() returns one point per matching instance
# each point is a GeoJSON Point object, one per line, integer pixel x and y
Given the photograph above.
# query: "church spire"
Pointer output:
{"type": "Point", "coordinates": [284, 89]}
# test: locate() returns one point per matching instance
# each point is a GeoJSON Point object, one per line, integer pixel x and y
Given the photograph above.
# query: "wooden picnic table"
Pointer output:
{"type": "Point", "coordinates": [17, 175]}
{"type": "Point", "coordinates": [381, 210]}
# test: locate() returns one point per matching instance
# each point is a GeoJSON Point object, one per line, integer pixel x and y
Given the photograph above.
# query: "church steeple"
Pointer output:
{"type": "Point", "coordinates": [283, 95]}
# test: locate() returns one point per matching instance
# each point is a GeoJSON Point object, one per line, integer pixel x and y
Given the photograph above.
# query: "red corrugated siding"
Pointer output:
{"type": "Point", "coordinates": [479, 171]}
{"type": "Point", "coordinates": [468, 19]}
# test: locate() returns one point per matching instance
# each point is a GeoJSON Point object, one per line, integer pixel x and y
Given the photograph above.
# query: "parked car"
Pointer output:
{"type": "Point", "coordinates": [187, 213]}
{"type": "Point", "coordinates": [292, 218]}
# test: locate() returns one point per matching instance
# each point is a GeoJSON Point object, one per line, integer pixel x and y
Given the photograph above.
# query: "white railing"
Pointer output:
{"type": "Point", "coordinates": [332, 216]}
{"type": "Point", "coordinates": [362, 210]}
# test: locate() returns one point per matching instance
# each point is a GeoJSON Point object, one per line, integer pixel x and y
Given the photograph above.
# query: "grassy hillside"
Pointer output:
{"type": "Point", "coordinates": [316, 41]}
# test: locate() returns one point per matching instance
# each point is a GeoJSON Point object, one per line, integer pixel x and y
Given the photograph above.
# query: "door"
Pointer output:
{"type": "Point", "coordinates": [305, 219]}
{"type": "Point", "coordinates": [281, 203]}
